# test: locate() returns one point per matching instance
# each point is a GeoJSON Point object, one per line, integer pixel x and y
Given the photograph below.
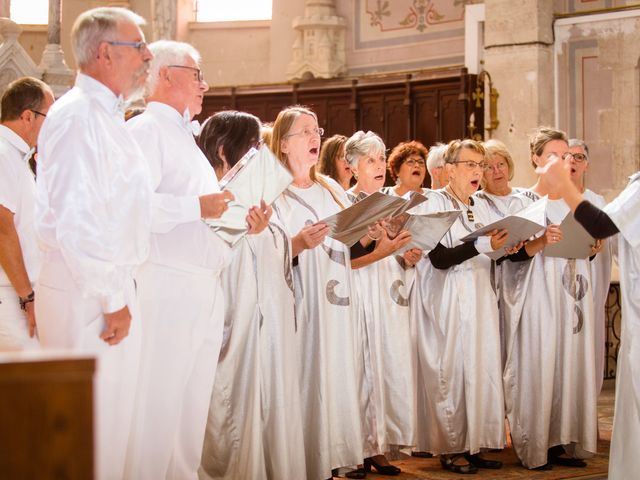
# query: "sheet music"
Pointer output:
{"type": "Point", "coordinates": [427, 230]}
{"type": "Point", "coordinates": [258, 175]}
{"type": "Point", "coordinates": [576, 241]}
{"type": "Point", "coordinates": [521, 226]}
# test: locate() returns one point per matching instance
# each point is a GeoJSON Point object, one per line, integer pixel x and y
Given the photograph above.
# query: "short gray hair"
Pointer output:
{"type": "Point", "coordinates": [576, 142]}
{"type": "Point", "coordinates": [165, 53]}
{"type": "Point", "coordinates": [435, 157]}
{"type": "Point", "coordinates": [95, 26]}
{"type": "Point", "coordinates": [361, 144]}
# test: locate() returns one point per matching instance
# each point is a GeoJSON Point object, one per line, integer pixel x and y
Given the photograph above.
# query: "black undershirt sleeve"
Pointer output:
{"type": "Point", "coordinates": [442, 257]}
{"type": "Point", "coordinates": [357, 250]}
{"type": "Point", "coordinates": [594, 220]}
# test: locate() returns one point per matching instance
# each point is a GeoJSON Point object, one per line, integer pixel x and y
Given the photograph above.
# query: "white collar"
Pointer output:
{"type": "Point", "coordinates": [15, 140]}
{"type": "Point", "coordinates": [103, 94]}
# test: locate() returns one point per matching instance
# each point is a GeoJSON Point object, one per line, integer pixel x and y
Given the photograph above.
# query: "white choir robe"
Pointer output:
{"type": "Point", "coordinates": [500, 205]}
{"type": "Point", "coordinates": [601, 280]}
{"type": "Point", "coordinates": [455, 317]}
{"type": "Point", "coordinates": [624, 461]}
{"type": "Point", "coordinates": [328, 352]}
{"type": "Point", "coordinates": [254, 428]}
{"type": "Point", "coordinates": [93, 212]}
{"type": "Point", "coordinates": [388, 398]}
{"type": "Point", "coordinates": [181, 302]}
{"type": "Point", "coordinates": [549, 374]}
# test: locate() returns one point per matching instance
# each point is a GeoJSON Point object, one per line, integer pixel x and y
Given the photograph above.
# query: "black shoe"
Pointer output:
{"type": "Point", "coordinates": [357, 473]}
{"type": "Point", "coordinates": [381, 469]}
{"type": "Point", "coordinates": [479, 462]}
{"type": "Point", "coordinates": [418, 454]}
{"type": "Point", "coordinates": [556, 457]}
{"type": "Point", "coordinates": [448, 462]}
{"type": "Point", "coordinates": [546, 466]}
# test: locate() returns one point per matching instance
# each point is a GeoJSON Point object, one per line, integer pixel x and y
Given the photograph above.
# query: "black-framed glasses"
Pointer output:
{"type": "Point", "coordinates": [199, 75]}
{"type": "Point", "coordinates": [579, 157]}
{"type": "Point", "coordinates": [415, 162]}
{"type": "Point", "coordinates": [139, 46]}
{"type": "Point", "coordinates": [38, 113]}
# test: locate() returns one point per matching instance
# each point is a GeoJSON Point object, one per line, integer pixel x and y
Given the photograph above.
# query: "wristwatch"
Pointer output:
{"type": "Point", "coordinates": [24, 300]}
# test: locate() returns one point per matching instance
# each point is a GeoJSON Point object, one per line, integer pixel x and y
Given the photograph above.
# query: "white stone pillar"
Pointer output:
{"type": "Point", "coordinates": [164, 23]}
{"type": "Point", "coordinates": [519, 56]}
{"type": "Point", "coordinates": [55, 71]}
{"type": "Point", "coordinates": [5, 10]}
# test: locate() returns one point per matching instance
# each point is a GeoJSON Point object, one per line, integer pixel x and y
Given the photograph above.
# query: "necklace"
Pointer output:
{"type": "Point", "coordinates": [470, 216]}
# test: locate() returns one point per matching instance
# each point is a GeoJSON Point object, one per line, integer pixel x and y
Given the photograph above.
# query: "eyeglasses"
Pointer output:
{"type": "Point", "coordinates": [565, 156]}
{"type": "Point", "coordinates": [496, 166]}
{"type": "Point", "coordinates": [307, 132]}
{"type": "Point", "coordinates": [139, 46]}
{"type": "Point", "coordinates": [38, 113]}
{"type": "Point", "coordinates": [470, 165]}
{"type": "Point", "coordinates": [413, 163]}
{"type": "Point", "coordinates": [579, 157]}
{"type": "Point", "coordinates": [198, 75]}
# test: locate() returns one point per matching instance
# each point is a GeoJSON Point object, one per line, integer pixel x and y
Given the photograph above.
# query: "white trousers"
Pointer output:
{"type": "Point", "coordinates": [14, 332]}
{"type": "Point", "coordinates": [183, 319]}
{"type": "Point", "coordinates": [66, 320]}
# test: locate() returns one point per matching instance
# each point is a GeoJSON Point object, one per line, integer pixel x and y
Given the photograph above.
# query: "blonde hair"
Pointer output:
{"type": "Point", "coordinates": [281, 128]}
{"type": "Point", "coordinates": [456, 146]}
{"type": "Point", "coordinates": [541, 137]}
{"type": "Point", "coordinates": [496, 147]}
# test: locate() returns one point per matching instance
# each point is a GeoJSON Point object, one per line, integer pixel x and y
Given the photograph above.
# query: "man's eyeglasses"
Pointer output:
{"type": "Point", "coordinates": [579, 157]}
{"type": "Point", "coordinates": [197, 75]}
{"type": "Point", "coordinates": [38, 113]}
{"type": "Point", "coordinates": [139, 46]}
{"type": "Point", "coordinates": [413, 162]}
{"type": "Point", "coordinates": [307, 132]}
{"type": "Point", "coordinates": [470, 165]}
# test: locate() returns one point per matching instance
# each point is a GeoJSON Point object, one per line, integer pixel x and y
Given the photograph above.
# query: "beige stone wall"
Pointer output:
{"type": "Point", "coordinates": [33, 39]}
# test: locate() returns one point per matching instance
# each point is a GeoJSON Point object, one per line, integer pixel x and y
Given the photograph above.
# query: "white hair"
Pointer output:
{"type": "Point", "coordinates": [165, 53]}
{"type": "Point", "coordinates": [361, 144]}
{"type": "Point", "coordinates": [576, 142]}
{"type": "Point", "coordinates": [96, 26]}
{"type": "Point", "coordinates": [435, 157]}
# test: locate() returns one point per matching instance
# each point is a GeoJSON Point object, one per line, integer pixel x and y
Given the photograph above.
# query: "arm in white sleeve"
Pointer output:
{"type": "Point", "coordinates": [483, 244]}
{"type": "Point", "coordinates": [76, 171]}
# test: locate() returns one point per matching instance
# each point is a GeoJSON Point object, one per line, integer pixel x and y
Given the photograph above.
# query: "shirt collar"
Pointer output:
{"type": "Point", "coordinates": [15, 140]}
{"type": "Point", "coordinates": [184, 120]}
{"type": "Point", "coordinates": [103, 94]}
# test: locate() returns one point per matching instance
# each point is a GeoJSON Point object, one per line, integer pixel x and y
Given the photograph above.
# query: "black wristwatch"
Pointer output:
{"type": "Point", "coordinates": [24, 300]}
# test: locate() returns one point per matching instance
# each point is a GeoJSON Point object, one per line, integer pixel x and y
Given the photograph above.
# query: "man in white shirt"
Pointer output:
{"type": "Point", "coordinates": [24, 106]}
{"type": "Point", "coordinates": [93, 215]}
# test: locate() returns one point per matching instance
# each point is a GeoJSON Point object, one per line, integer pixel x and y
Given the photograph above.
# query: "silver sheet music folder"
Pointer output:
{"type": "Point", "coordinates": [258, 175]}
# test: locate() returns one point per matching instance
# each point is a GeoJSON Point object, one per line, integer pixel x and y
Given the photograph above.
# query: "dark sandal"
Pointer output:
{"type": "Point", "coordinates": [480, 462]}
{"type": "Point", "coordinates": [448, 462]}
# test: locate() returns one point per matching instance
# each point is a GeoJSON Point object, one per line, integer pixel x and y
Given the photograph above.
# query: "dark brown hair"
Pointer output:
{"type": "Point", "coordinates": [234, 131]}
{"type": "Point", "coordinates": [328, 153]}
{"type": "Point", "coordinates": [26, 93]}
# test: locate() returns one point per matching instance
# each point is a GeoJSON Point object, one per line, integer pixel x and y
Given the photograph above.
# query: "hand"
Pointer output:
{"type": "Point", "coordinates": [597, 247]}
{"type": "Point", "coordinates": [375, 231]}
{"type": "Point", "coordinates": [555, 174]}
{"type": "Point", "coordinates": [30, 313]}
{"type": "Point", "coordinates": [552, 235]}
{"type": "Point", "coordinates": [215, 204]}
{"type": "Point", "coordinates": [514, 249]}
{"type": "Point", "coordinates": [117, 326]}
{"type": "Point", "coordinates": [258, 218]}
{"type": "Point", "coordinates": [412, 256]}
{"type": "Point", "coordinates": [498, 238]}
{"type": "Point", "coordinates": [387, 246]}
{"type": "Point", "coordinates": [310, 236]}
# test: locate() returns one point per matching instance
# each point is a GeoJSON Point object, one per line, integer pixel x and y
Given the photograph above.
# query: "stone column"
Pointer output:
{"type": "Point", "coordinates": [54, 69]}
{"type": "Point", "coordinates": [5, 9]}
{"type": "Point", "coordinates": [519, 56]}
{"type": "Point", "coordinates": [164, 22]}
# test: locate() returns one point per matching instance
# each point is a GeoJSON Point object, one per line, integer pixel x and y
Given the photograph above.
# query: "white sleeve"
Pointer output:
{"type": "Point", "coordinates": [168, 210]}
{"type": "Point", "coordinates": [624, 211]}
{"type": "Point", "coordinates": [8, 184]}
{"type": "Point", "coordinates": [76, 177]}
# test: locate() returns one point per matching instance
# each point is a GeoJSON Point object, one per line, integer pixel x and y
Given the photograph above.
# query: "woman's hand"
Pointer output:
{"type": "Point", "coordinates": [412, 256]}
{"type": "Point", "coordinates": [309, 237]}
{"type": "Point", "coordinates": [258, 218]}
{"type": "Point", "coordinates": [552, 235]}
{"type": "Point", "coordinates": [498, 238]}
{"type": "Point", "coordinates": [514, 249]}
{"type": "Point", "coordinates": [597, 247]}
{"type": "Point", "coordinates": [387, 246]}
